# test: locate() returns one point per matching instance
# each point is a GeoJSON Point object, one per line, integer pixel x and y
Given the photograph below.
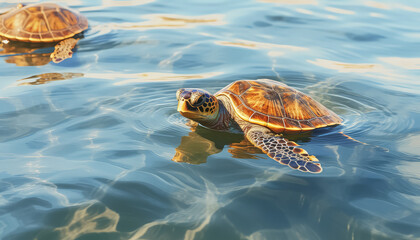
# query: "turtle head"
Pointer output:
{"type": "Point", "coordinates": [197, 104]}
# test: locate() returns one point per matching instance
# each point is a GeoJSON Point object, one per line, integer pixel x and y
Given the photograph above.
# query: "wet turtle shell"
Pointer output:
{"type": "Point", "coordinates": [277, 106]}
{"type": "Point", "coordinates": [43, 22]}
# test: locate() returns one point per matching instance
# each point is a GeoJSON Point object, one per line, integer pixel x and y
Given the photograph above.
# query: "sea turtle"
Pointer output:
{"type": "Point", "coordinates": [262, 109]}
{"type": "Point", "coordinates": [44, 23]}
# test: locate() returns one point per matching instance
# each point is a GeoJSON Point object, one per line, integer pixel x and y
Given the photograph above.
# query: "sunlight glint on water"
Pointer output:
{"type": "Point", "coordinates": [87, 144]}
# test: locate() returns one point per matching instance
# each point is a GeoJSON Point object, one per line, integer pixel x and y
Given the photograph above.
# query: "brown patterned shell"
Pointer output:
{"type": "Point", "coordinates": [277, 106]}
{"type": "Point", "coordinates": [43, 22]}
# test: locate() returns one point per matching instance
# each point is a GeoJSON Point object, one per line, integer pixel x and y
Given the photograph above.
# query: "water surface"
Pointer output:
{"type": "Point", "coordinates": [86, 144]}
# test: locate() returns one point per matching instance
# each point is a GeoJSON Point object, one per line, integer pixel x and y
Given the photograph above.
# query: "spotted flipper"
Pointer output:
{"type": "Point", "coordinates": [285, 152]}
{"type": "Point", "coordinates": [63, 50]}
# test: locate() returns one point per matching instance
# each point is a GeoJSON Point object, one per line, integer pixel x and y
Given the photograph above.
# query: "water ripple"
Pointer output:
{"type": "Point", "coordinates": [94, 148]}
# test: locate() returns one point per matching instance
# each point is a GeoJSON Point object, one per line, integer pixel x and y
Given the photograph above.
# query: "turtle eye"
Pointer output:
{"type": "Point", "coordinates": [199, 101]}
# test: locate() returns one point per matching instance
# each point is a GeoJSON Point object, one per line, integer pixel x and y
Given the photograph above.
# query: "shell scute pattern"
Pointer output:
{"type": "Point", "coordinates": [277, 106]}
{"type": "Point", "coordinates": [276, 124]}
{"type": "Point", "coordinates": [34, 9]}
{"type": "Point", "coordinates": [69, 16]}
{"type": "Point", "coordinates": [44, 22]}
{"type": "Point", "coordinates": [238, 87]}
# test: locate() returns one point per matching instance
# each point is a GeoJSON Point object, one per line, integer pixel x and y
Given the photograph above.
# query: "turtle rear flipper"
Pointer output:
{"type": "Point", "coordinates": [284, 151]}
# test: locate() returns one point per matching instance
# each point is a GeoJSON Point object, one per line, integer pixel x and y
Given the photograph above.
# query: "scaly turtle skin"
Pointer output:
{"type": "Point", "coordinates": [262, 109]}
{"type": "Point", "coordinates": [43, 23]}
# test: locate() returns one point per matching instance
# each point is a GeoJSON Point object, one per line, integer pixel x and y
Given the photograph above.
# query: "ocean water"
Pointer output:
{"type": "Point", "coordinates": [86, 145]}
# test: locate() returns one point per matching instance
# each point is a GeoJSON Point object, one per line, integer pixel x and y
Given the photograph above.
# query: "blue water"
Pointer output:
{"type": "Point", "coordinates": [86, 144]}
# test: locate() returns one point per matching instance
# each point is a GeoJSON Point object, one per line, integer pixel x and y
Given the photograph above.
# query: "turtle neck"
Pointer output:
{"type": "Point", "coordinates": [222, 121]}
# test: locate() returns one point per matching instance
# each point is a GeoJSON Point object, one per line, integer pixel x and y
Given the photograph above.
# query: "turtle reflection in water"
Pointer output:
{"type": "Point", "coordinates": [48, 77]}
{"type": "Point", "coordinates": [42, 23]}
{"type": "Point", "coordinates": [202, 142]}
{"type": "Point", "coordinates": [262, 109]}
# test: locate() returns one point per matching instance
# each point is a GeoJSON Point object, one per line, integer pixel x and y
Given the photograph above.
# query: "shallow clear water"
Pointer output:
{"type": "Point", "coordinates": [86, 144]}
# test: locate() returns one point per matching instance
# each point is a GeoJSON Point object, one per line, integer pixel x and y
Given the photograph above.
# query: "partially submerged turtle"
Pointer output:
{"type": "Point", "coordinates": [261, 109]}
{"type": "Point", "coordinates": [44, 23]}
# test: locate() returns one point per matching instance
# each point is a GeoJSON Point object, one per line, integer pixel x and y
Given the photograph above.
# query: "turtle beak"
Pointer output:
{"type": "Point", "coordinates": [184, 108]}
{"type": "Point", "coordinates": [182, 105]}
{"type": "Point", "coordinates": [182, 98]}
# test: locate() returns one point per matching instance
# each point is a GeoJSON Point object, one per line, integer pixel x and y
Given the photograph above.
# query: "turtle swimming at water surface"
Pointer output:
{"type": "Point", "coordinates": [262, 109]}
{"type": "Point", "coordinates": [44, 23]}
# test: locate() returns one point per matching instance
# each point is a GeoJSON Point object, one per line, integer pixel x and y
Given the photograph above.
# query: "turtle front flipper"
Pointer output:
{"type": "Point", "coordinates": [284, 151]}
{"type": "Point", "coordinates": [63, 50]}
